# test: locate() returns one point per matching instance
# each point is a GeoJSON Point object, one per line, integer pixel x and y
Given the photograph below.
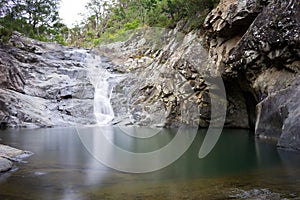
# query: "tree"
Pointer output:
{"type": "Point", "coordinates": [110, 19]}
{"type": "Point", "coordinates": [146, 6]}
{"type": "Point", "coordinates": [31, 17]}
{"type": "Point", "coordinates": [97, 10]}
{"type": "Point", "coordinates": [41, 13]}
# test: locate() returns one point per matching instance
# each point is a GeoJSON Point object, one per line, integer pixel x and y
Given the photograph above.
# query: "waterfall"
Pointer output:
{"type": "Point", "coordinates": [102, 107]}
{"type": "Point", "coordinates": [100, 78]}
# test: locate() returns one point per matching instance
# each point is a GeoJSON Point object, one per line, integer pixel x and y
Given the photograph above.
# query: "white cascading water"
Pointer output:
{"type": "Point", "coordinates": [102, 108]}
{"type": "Point", "coordinates": [99, 77]}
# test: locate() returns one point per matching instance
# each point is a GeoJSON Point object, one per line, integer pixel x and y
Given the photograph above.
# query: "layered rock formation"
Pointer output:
{"type": "Point", "coordinates": [43, 85]}
{"type": "Point", "coordinates": [166, 82]}
{"type": "Point", "coordinates": [169, 78]}
{"type": "Point", "coordinates": [257, 45]}
{"type": "Point", "coordinates": [253, 44]}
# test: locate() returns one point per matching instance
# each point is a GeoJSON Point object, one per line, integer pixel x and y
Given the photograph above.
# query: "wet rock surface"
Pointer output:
{"type": "Point", "coordinates": [9, 154]}
{"type": "Point", "coordinates": [44, 85]}
{"type": "Point", "coordinates": [278, 117]}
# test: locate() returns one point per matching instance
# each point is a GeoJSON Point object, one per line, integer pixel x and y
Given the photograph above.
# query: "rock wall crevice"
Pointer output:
{"type": "Point", "coordinates": [264, 61]}
{"type": "Point", "coordinates": [253, 44]}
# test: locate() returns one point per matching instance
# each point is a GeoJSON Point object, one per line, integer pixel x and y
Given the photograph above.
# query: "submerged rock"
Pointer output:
{"type": "Point", "coordinates": [257, 194]}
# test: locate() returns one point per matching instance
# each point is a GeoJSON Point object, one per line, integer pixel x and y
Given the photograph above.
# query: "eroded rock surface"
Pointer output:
{"type": "Point", "coordinates": [44, 85]}
{"type": "Point", "coordinates": [166, 77]}
{"type": "Point", "coordinates": [262, 58]}
{"type": "Point", "coordinates": [166, 82]}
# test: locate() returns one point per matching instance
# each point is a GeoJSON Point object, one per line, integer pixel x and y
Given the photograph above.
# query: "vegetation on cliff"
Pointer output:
{"type": "Point", "coordinates": [110, 19]}
{"type": "Point", "coordinates": [105, 19]}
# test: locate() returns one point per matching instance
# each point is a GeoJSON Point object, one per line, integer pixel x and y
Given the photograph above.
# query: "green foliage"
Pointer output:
{"type": "Point", "coordinates": [4, 34]}
{"type": "Point", "coordinates": [132, 25]}
{"type": "Point", "coordinates": [60, 39]}
{"type": "Point", "coordinates": [8, 25]}
{"type": "Point", "coordinates": [37, 19]}
{"type": "Point", "coordinates": [110, 19]}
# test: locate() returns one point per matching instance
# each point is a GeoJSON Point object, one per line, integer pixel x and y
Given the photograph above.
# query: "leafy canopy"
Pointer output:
{"type": "Point", "coordinates": [34, 18]}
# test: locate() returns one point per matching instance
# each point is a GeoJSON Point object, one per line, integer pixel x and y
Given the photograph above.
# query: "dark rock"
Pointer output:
{"type": "Point", "coordinates": [269, 51]}
{"type": "Point", "coordinates": [262, 58]}
{"type": "Point", "coordinates": [233, 17]}
{"type": "Point", "coordinates": [279, 117]}
{"type": "Point", "coordinates": [273, 40]}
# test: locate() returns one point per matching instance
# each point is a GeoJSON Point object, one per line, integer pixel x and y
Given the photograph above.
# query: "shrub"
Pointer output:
{"type": "Point", "coordinates": [132, 25]}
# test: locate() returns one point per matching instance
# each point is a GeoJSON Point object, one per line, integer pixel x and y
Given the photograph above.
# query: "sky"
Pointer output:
{"type": "Point", "coordinates": [70, 9]}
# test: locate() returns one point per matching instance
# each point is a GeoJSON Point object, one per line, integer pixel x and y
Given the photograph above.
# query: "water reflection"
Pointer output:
{"type": "Point", "coordinates": [62, 168]}
{"type": "Point", "coordinates": [99, 141]}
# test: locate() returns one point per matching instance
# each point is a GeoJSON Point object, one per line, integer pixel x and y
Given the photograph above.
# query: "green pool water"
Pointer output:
{"type": "Point", "coordinates": [238, 167]}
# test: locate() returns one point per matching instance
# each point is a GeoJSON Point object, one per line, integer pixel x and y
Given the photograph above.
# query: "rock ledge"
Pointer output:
{"type": "Point", "coordinates": [9, 154]}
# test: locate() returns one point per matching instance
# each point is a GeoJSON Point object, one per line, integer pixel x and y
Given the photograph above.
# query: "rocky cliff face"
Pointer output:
{"type": "Point", "coordinates": [41, 85]}
{"type": "Point", "coordinates": [164, 83]}
{"type": "Point", "coordinates": [253, 44]}
{"type": "Point", "coordinates": [256, 44]}
{"type": "Point", "coordinates": [169, 78]}
{"type": "Point", "coordinates": [167, 82]}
